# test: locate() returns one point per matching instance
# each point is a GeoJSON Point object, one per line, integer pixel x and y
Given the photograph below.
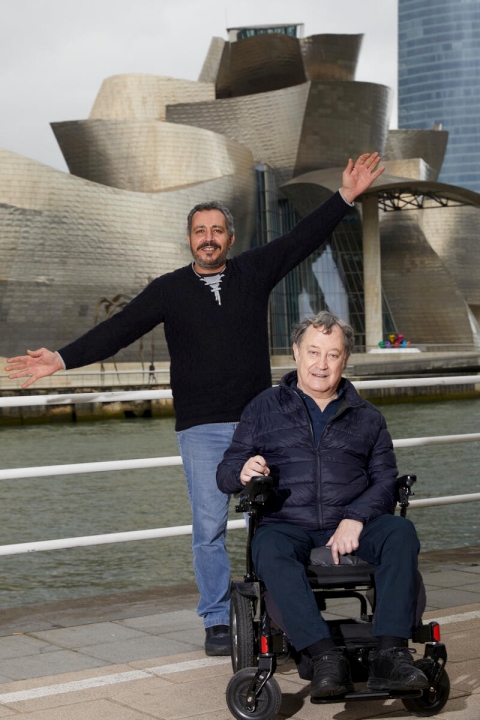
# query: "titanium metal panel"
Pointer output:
{"type": "Point", "coordinates": [264, 63]}
{"type": "Point", "coordinates": [423, 296]}
{"type": "Point", "coordinates": [330, 57]}
{"type": "Point", "coordinates": [342, 120]}
{"type": "Point", "coordinates": [427, 144]}
{"type": "Point", "coordinates": [148, 156]}
{"type": "Point", "coordinates": [144, 97]}
{"type": "Point", "coordinates": [270, 123]}
{"type": "Point", "coordinates": [211, 64]}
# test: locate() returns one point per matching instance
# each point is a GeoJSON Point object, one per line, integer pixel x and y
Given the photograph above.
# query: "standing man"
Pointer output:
{"type": "Point", "coordinates": [215, 314]}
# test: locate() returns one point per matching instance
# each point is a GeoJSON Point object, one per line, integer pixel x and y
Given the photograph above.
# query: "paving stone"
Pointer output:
{"type": "Point", "coordinates": [165, 622]}
{"type": "Point", "coordinates": [137, 649]}
{"type": "Point", "coordinates": [7, 712]}
{"type": "Point", "coordinates": [449, 597]}
{"type": "Point", "coordinates": [450, 578]}
{"type": "Point", "coordinates": [85, 635]}
{"type": "Point", "coordinates": [95, 709]}
{"type": "Point", "coordinates": [56, 662]}
{"type": "Point", "coordinates": [22, 645]}
{"type": "Point", "coordinates": [192, 637]}
{"type": "Point", "coordinates": [190, 699]}
{"type": "Point", "coordinates": [118, 692]}
{"type": "Point", "coordinates": [465, 675]}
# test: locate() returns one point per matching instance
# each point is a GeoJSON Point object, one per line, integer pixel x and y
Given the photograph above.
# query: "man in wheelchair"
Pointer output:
{"type": "Point", "coordinates": [334, 473]}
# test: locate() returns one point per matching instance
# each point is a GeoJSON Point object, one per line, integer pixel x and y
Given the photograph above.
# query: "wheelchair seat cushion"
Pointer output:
{"type": "Point", "coordinates": [323, 556]}
{"type": "Point", "coordinates": [322, 571]}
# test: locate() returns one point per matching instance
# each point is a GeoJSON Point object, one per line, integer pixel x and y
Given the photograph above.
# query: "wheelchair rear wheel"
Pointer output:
{"type": "Point", "coordinates": [434, 698]}
{"type": "Point", "coordinates": [267, 703]}
{"type": "Point", "coordinates": [242, 632]}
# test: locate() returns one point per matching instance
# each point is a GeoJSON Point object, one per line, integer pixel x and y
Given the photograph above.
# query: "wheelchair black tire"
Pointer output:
{"type": "Point", "coordinates": [242, 630]}
{"type": "Point", "coordinates": [431, 701]}
{"type": "Point", "coordinates": [268, 702]}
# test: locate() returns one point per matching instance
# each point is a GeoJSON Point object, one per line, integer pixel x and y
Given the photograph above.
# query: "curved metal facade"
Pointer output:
{"type": "Point", "coordinates": [145, 97]}
{"type": "Point", "coordinates": [148, 156]}
{"type": "Point", "coordinates": [331, 57]}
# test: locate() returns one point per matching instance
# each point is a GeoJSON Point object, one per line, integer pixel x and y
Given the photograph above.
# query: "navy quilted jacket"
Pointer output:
{"type": "Point", "coordinates": [350, 475]}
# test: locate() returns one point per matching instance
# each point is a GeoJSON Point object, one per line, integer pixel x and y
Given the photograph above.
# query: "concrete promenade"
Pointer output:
{"type": "Point", "coordinates": [139, 656]}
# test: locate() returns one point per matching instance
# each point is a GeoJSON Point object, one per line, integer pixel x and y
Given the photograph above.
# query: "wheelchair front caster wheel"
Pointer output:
{"type": "Point", "coordinates": [434, 698]}
{"type": "Point", "coordinates": [267, 704]}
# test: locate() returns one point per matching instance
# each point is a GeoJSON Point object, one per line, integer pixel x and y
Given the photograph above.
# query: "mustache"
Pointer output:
{"type": "Point", "coordinates": [208, 243]}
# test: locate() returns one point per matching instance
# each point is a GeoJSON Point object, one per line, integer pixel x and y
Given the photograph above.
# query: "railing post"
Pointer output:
{"type": "Point", "coordinates": [372, 276]}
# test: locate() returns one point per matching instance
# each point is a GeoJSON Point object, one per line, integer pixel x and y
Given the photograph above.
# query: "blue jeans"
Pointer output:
{"type": "Point", "coordinates": [202, 448]}
{"type": "Point", "coordinates": [281, 552]}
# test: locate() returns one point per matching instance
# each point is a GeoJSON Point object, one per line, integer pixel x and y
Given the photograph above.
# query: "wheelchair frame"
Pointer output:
{"type": "Point", "coordinates": [259, 644]}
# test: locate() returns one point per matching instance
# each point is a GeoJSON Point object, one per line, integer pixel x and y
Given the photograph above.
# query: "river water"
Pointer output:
{"type": "Point", "coordinates": [77, 505]}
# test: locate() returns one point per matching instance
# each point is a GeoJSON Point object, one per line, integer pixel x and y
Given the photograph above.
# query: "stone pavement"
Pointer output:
{"type": "Point", "coordinates": [139, 656]}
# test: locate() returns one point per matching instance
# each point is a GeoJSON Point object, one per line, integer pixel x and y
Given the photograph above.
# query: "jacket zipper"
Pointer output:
{"type": "Point", "coordinates": [318, 492]}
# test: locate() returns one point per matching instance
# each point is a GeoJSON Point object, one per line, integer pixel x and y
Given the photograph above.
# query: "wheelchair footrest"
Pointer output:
{"type": "Point", "coordinates": [368, 695]}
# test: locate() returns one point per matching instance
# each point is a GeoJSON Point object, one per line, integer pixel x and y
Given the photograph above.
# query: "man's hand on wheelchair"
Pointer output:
{"type": "Point", "coordinates": [345, 539]}
{"type": "Point", "coordinates": [254, 467]}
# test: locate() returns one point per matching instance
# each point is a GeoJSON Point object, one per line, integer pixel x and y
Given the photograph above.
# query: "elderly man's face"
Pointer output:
{"type": "Point", "coordinates": [209, 241]}
{"type": "Point", "coordinates": [320, 359]}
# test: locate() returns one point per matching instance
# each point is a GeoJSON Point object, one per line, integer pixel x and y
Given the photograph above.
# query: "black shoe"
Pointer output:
{"type": "Point", "coordinates": [217, 640]}
{"type": "Point", "coordinates": [394, 669]}
{"type": "Point", "coordinates": [331, 674]}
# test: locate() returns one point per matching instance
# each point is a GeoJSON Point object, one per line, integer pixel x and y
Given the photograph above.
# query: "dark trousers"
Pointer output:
{"type": "Point", "coordinates": [281, 552]}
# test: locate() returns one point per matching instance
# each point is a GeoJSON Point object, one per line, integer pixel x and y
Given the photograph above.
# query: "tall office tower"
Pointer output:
{"type": "Point", "coordinates": [439, 79]}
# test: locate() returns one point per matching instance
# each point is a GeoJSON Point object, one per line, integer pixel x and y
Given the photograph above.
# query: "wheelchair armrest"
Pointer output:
{"type": "Point", "coordinates": [255, 493]}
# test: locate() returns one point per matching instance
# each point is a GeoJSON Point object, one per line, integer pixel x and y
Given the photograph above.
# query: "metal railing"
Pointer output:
{"type": "Point", "coordinates": [72, 398]}
{"type": "Point", "coordinates": [107, 466]}
{"type": "Point", "coordinates": [98, 378]}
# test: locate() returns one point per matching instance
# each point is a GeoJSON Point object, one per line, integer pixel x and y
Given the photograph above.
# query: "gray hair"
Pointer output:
{"type": "Point", "coordinates": [325, 320]}
{"type": "Point", "coordinates": [212, 205]}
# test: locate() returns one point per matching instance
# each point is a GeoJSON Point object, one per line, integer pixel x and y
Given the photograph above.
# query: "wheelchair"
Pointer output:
{"type": "Point", "coordinates": [259, 644]}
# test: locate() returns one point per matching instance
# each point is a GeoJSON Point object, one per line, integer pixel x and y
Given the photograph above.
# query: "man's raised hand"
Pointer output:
{"type": "Point", "coordinates": [359, 175]}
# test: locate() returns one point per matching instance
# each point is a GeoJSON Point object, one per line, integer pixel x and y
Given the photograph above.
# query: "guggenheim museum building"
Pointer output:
{"type": "Point", "coordinates": [267, 129]}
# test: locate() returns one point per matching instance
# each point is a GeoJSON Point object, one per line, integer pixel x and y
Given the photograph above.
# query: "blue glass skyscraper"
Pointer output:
{"type": "Point", "coordinates": [439, 79]}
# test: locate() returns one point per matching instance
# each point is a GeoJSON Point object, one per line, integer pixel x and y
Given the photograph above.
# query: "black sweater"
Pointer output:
{"type": "Point", "coordinates": [219, 353]}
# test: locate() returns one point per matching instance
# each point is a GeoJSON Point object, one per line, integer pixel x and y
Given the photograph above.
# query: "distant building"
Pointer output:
{"type": "Point", "coordinates": [438, 79]}
{"type": "Point", "coordinates": [267, 129]}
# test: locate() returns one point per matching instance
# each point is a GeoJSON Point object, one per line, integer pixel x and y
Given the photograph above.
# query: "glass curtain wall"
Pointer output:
{"type": "Point", "coordinates": [331, 278]}
{"type": "Point", "coordinates": [438, 79]}
{"type": "Point", "coordinates": [290, 30]}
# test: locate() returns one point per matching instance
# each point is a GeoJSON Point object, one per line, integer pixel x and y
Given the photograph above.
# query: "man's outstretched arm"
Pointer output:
{"type": "Point", "coordinates": [275, 259]}
{"type": "Point", "coordinates": [104, 340]}
{"type": "Point", "coordinates": [34, 365]}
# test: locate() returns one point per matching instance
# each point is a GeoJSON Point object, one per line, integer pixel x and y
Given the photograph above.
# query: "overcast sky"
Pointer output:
{"type": "Point", "coordinates": [54, 54]}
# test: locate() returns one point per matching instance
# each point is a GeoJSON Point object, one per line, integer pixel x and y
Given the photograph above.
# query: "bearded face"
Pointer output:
{"type": "Point", "coordinates": [209, 240]}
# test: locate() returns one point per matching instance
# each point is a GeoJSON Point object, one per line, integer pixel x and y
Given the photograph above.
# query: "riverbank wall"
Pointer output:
{"type": "Point", "coordinates": [110, 377]}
